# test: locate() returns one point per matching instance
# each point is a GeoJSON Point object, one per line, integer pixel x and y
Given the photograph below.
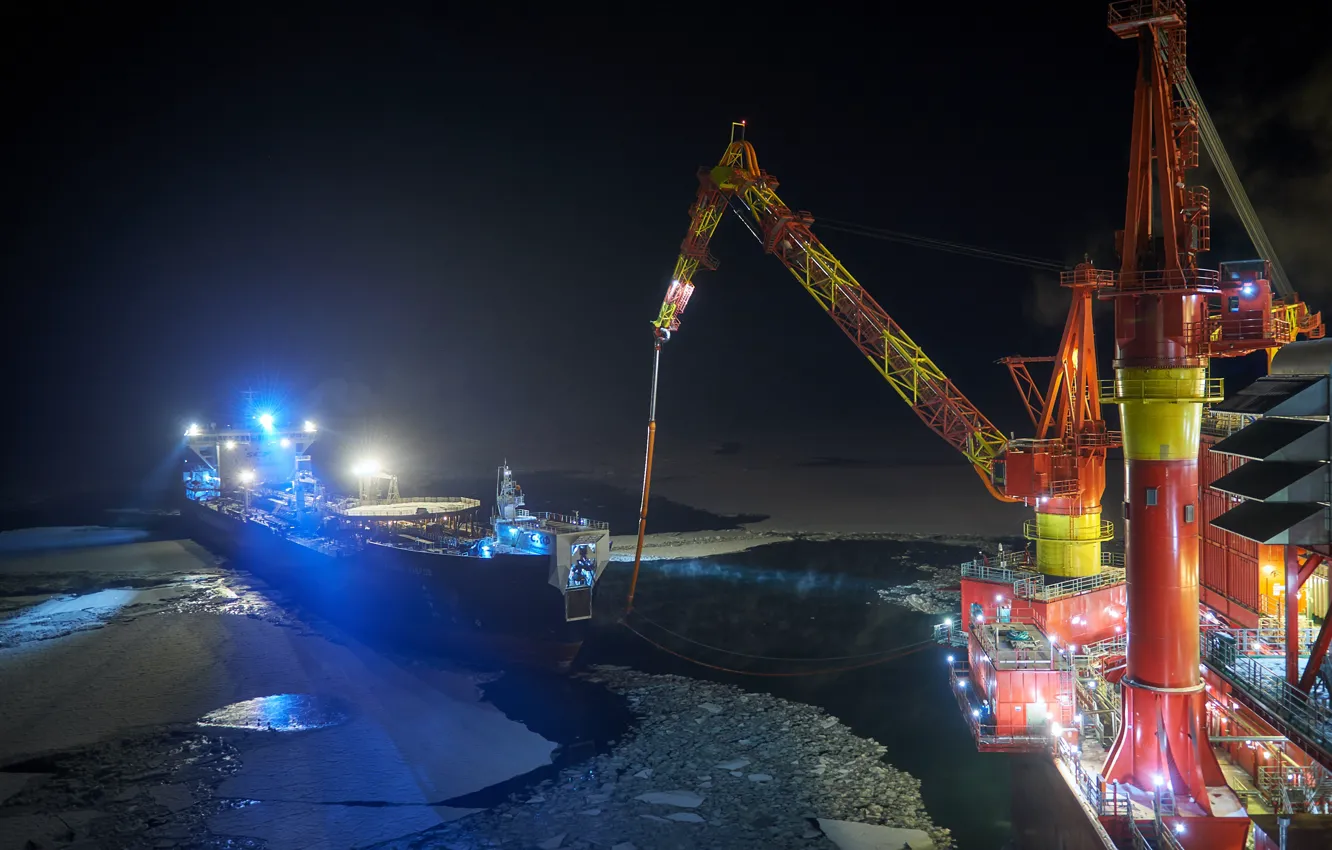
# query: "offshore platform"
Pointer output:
{"type": "Point", "coordinates": [1174, 694]}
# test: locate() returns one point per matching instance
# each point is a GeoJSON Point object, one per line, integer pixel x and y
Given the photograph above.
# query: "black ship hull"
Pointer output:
{"type": "Point", "coordinates": [496, 610]}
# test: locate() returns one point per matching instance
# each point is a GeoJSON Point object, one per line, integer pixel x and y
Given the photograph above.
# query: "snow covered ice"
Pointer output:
{"type": "Point", "coordinates": [112, 655]}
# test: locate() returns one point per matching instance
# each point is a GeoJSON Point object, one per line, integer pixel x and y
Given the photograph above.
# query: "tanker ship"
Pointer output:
{"type": "Point", "coordinates": [421, 571]}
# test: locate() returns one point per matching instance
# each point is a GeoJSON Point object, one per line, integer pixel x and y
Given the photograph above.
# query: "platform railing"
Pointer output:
{"type": "Point", "coordinates": [990, 736]}
{"type": "Point", "coordinates": [1217, 424]}
{"type": "Point", "coordinates": [1090, 785]}
{"type": "Point", "coordinates": [1107, 802]}
{"type": "Point", "coordinates": [1116, 645]}
{"type": "Point", "coordinates": [1123, 12]}
{"type": "Point", "coordinates": [1293, 712]}
{"type": "Point", "coordinates": [1170, 280]}
{"type": "Point", "coordinates": [567, 519]}
{"type": "Point", "coordinates": [1267, 641]}
{"type": "Point", "coordinates": [1037, 589]}
{"type": "Point", "coordinates": [1008, 567]}
{"type": "Point", "coordinates": [1163, 390]}
{"type": "Point", "coordinates": [949, 634]}
{"type": "Point", "coordinates": [1313, 781]}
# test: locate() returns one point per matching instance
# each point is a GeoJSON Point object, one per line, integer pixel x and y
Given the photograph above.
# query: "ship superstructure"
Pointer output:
{"type": "Point", "coordinates": [423, 568]}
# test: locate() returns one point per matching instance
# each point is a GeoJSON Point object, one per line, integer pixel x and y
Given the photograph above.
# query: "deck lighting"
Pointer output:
{"type": "Point", "coordinates": [192, 431]}
{"type": "Point", "coordinates": [1158, 780]}
{"type": "Point", "coordinates": [309, 427]}
{"type": "Point", "coordinates": [231, 444]}
{"type": "Point", "coordinates": [266, 420]}
{"type": "Point", "coordinates": [948, 623]}
{"type": "Point", "coordinates": [1077, 718]}
{"type": "Point", "coordinates": [950, 659]}
{"type": "Point", "coordinates": [1056, 729]}
{"type": "Point", "coordinates": [247, 477]}
{"type": "Point", "coordinates": [285, 442]}
{"type": "Point", "coordinates": [366, 468]}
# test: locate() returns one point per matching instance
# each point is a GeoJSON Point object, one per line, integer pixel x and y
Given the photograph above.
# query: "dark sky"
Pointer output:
{"type": "Point", "coordinates": [460, 225]}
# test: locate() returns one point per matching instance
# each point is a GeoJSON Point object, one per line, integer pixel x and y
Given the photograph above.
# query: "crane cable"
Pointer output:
{"type": "Point", "coordinates": [918, 241]}
{"type": "Point", "coordinates": [942, 245]}
{"type": "Point", "coordinates": [878, 658]}
{"type": "Point", "coordinates": [1216, 150]}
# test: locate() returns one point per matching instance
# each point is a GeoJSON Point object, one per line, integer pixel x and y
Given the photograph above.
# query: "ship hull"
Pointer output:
{"type": "Point", "coordinates": [498, 610]}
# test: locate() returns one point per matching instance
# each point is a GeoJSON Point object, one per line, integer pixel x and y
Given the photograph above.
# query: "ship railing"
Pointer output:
{"type": "Point", "coordinates": [986, 634]}
{"type": "Point", "coordinates": [1106, 801]}
{"type": "Point", "coordinates": [1090, 785]}
{"type": "Point", "coordinates": [1218, 424]}
{"type": "Point", "coordinates": [1116, 645]}
{"type": "Point", "coordinates": [1162, 390]}
{"type": "Point", "coordinates": [1157, 836]}
{"type": "Point", "coordinates": [1266, 640]}
{"type": "Point", "coordinates": [1037, 589]}
{"type": "Point", "coordinates": [988, 736]}
{"type": "Point", "coordinates": [1170, 280]}
{"type": "Point", "coordinates": [1007, 567]}
{"type": "Point", "coordinates": [949, 633]}
{"type": "Point", "coordinates": [1294, 713]}
{"type": "Point", "coordinates": [466, 500]}
{"type": "Point", "coordinates": [1313, 781]}
{"type": "Point", "coordinates": [566, 519]}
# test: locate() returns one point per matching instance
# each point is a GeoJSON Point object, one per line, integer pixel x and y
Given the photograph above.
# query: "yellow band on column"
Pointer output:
{"type": "Point", "coordinates": [1069, 545]}
{"type": "Point", "coordinates": [1161, 411]}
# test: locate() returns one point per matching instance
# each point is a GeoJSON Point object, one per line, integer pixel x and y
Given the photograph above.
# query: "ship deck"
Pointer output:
{"type": "Point", "coordinates": [419, 508]}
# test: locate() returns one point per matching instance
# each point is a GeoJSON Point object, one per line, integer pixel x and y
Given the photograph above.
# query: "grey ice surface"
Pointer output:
{"type": "Point", "coordinates": [116, 640]}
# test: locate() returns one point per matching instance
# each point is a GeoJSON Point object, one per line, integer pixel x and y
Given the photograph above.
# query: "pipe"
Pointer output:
{"type": "Point", "coordinates": [1275, 739]}
{"type": "Point", "coordinates": [647, 474]}
{"type": "Point", "coordinates": [1292, 604]}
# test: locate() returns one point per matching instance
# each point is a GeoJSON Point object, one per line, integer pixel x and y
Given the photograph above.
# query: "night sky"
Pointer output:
{"type": "Point", "coordinates": [452, 230]}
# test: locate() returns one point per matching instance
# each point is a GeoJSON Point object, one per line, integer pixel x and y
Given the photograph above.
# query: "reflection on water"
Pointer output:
{"type": "Point", "coordinates": [278, 713]}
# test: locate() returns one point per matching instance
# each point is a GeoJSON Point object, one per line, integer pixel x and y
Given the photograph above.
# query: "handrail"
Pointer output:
{"type": "Point", "coordinates": [1312, 779]}
{"type": "Point", "coordinates": [566, 519]}
{"type": "Point", "coordinates": [571, 520]}
{"type": "Point", "coordinates": [1038, 590]}
{"type": "Point", "coordinates": [1032, 531]}
{"type": "Point", "coordinates": [1286, 705]}
{"type": "Point", "coordinates": [1007, 737]}
{"type": "Point", "coordinates": [1157, 280]}
{"type": "Point", "coordinates": [1147, 390]}
{"type": "Point", "coordinates": [1217, 424]}
{"type": "Point", "coordinates": [1128, 11]}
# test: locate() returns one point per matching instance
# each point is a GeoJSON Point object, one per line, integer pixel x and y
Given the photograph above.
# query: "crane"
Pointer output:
{"type": "Point", "coordinates": [1061, 472]}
